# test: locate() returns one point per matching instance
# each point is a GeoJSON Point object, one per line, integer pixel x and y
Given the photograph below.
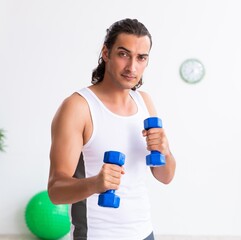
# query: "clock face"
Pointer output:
{"type": "Point", "coordinates": [192, 70]}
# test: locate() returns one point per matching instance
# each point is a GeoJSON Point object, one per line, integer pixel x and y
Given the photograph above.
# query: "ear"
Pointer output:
{"type": "Point", "coordinates": [105, 53]}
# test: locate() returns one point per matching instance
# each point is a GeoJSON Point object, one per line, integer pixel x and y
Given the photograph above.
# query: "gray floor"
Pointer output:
{"type": "Point", "coordinates": [27, 237]}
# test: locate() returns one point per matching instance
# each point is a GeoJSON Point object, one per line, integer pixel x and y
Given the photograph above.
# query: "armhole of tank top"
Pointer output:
{"type": "Point", "coordinates": [84, 93]}
{"type": "Point", "coordinates": [140, 101]}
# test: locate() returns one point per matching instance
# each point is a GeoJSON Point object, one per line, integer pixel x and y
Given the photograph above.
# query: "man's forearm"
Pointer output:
{"type": "Point", "coordinates": [66, 190]}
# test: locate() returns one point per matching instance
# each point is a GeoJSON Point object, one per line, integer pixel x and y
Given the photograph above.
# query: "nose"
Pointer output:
{"type": "Point", "coordinates": [131, 66]}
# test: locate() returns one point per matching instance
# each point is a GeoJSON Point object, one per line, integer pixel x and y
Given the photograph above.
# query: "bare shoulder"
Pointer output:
{"type": "Point", "coordinates": [74, 102]}
{"type": "Point", "coordinates": [74, 109]}
{"type": "Point", "coordinates": [149, 103]}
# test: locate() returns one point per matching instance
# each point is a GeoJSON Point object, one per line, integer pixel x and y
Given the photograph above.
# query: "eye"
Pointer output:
{"type": "Point", "coordinates": [142, 58]}
{"type": "Point", "coordinates": [123, 54]}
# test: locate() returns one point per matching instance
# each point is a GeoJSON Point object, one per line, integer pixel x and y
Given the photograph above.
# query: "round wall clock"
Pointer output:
{"type": "Point", "coordinates": [192, 70]}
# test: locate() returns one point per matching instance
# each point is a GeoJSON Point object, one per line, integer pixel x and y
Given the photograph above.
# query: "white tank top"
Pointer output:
{"type": "Point", "coordinates": [111, 132]}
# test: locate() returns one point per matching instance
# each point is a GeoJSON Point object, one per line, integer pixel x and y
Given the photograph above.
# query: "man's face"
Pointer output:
{"type": "Point", "coordinates": [127, 60]}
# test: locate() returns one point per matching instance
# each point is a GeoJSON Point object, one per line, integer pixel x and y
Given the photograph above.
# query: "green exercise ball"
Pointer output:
{"type": "Point", "coordinates": [46, 220]}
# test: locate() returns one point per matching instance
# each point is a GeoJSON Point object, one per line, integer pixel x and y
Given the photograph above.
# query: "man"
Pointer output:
{"type": "Point", "coordinates": [108, 115]}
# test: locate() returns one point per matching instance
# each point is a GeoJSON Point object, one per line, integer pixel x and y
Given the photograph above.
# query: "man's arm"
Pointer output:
{"type": "Point", "coordinates": [71, 128]}
{"type": "Point", "coordinates": [156, 140]}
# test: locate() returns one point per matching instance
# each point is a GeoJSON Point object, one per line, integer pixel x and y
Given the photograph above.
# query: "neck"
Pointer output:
{"type": "Point", "coordinates": [116, 95]}
{"type": "Point", "coordinates": [118, 101]}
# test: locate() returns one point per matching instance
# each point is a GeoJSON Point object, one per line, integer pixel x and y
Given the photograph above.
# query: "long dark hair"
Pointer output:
{"type": "Point", "coordinates": [129, 26]}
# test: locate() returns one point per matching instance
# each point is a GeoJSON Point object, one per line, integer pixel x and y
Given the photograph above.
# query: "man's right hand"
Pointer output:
{"type": "Point", "coordinates": [109, 177]}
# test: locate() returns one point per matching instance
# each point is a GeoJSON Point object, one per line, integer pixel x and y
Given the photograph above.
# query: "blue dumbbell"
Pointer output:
{"type": "Point", "coordinates": [108, 198]}
{"type": "Point", "coordinates": [154, 159]}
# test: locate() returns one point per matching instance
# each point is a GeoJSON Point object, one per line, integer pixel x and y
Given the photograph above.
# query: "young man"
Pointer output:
{"type": "Point", "coordinates": [108, 115]}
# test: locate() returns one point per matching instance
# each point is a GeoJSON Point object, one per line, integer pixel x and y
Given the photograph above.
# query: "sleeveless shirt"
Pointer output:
{"type": "Point", "coordinates": [112, 132]}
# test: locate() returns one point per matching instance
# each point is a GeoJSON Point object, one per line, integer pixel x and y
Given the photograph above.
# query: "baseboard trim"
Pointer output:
{"type": "Point", "coordinates": [191, 237]}
{"type": "Point", "coordinates": [157, 237]}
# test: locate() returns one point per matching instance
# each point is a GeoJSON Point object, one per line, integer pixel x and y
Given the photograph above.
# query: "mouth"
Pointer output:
{"type": "Point", "coordinates": [129, 77]}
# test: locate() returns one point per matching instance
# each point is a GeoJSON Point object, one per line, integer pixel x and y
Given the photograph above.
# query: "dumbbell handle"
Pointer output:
{"type": "Point", "coordinates": [114, 157]}
{"type": "Point", "coordinates": [110, 191]}
{"type": "Point", "coordinates": [156, 158]}
{"type": "Point", "coordinates": [108, 198]}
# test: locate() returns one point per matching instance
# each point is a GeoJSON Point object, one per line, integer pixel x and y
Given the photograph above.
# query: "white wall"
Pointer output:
{"type": "Point", "coordinates": [48, 50]}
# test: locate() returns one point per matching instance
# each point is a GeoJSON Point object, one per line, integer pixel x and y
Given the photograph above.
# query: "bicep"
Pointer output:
{"type": "Point", "coordinates": [67, 140]}
{"type": "Point", "coordinates": [64, 153]}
